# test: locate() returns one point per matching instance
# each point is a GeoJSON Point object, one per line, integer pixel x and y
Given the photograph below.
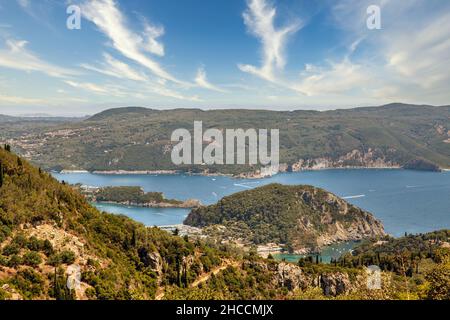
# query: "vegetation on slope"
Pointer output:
{"type": "Point", "coordinates": [139, 138]}
{"type": "Point", "coordinates": [45, 226]}
{"type": "Point", "coordinates": [421, 261]}
{"type": "Point", "coordinates": [296, 216]}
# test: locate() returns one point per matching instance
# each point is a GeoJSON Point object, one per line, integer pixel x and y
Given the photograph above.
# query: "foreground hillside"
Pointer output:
{"type": "Point", "coordinates": [300, 218]}
{"type": "Point", "coordinates": [46, 228]}
{"type": "Point", "coordinates": [396, 135]}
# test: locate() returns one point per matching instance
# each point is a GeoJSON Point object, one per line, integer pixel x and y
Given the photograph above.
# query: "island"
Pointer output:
{"type": "Point", "coordinates": [297, 219]}
{"type": "Point", "coordinates": [133, 196]}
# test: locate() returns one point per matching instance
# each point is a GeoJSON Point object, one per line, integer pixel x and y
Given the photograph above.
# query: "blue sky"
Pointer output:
{"type": "Point", "coordinates": [282, 55]}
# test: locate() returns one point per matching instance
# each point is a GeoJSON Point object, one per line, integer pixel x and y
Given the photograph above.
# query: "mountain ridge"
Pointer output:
{"type": "Point", "coordinates": [138, 139]}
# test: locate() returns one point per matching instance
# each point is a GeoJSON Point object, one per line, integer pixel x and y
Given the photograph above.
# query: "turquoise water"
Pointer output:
{"type": "Point", "coordinates": [404, 200]}
{"type": "Point", "coordinates": [329, 252]}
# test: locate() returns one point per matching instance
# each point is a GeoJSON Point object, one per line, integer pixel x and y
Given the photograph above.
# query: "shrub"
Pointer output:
{"type": "Point", "coordinates": [11, 249]}
{"type": "Point", "coordinates": [32, 259]}
{"type": "Point", "coordinates": [67, 257]}
{"type": "Point", "coordinates": [29, 283]}
{"type": "Point", "coordinates": [14, 261]}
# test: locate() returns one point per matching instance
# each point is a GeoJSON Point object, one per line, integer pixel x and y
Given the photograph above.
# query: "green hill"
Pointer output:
{"type": "Point", "coordinates": [136, 138]}
{"type": "Point", "coordinates": [45, 226]}
{"type": "Point", "coordinates": [300, 217]}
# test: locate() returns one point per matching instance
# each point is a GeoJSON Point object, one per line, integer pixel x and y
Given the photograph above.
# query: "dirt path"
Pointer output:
{"type": "Point", "coordinates": [203, 278]}
{"type": "Point", "coordinates": [214, 271]}
{"type": "Point", "coordinates": [159, 293]}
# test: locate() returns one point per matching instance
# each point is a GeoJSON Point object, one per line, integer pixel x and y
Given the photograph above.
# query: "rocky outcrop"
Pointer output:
{"type": "Point", "coordinates": [422, 165]}
{"type": "Point", "coordinates": [291, 276]}
{"type": "Point", "coordinates": [334, 284]}
{"type": "Point", "coordinates": [152, 260]}
{"type": "Point", "coordinates": [372, 158]}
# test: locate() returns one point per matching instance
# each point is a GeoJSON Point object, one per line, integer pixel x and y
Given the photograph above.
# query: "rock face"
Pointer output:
{"type": "Point", "coordinates": [372, 158]}
{"type": "Point", "coordinates": [301, 218]}
{"type": "Point", "coordinates": [291, 276]}
{"type": "Point", "coordinates": [152, 260]}
{"type": "Point", "coordinates": [335, 284]}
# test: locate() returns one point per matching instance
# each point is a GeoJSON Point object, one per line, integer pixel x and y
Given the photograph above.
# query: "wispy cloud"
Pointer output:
{"type": "Point", "coordinates": [92, 87]}
{"type": "Point", "coordinates": [260, 21]}
{"type": "Point", "coordinates": [166, 92]}
{"type": "Point", "coordinates": [337, 78]}
{"type": "Point", "coordinates": [202, 81]}
{"type": "Point", "coordinates": [115, 68]}
{"type": "Point", "coordinates": [409, 57]}
{"type": "Point", "coordinates": [106, 15]}
{"type": "Point", "coordinates": [424, 58]}
{"type": "Point", "coordinates": [18, 100]}
{"type": "Point", "coordinates": [17, 56]}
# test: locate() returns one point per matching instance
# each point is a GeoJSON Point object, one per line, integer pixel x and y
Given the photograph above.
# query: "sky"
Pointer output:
{"type": "Point", "coordinates": [210, 54]}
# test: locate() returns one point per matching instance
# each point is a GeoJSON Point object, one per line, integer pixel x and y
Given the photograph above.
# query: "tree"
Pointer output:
{"type": "Point", "coordinates": [1, 174]}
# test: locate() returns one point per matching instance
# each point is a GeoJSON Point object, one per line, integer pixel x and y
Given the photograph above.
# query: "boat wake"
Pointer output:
{"type": "Point", "coordinates": [242, 186]}
{"type": "Point", "coordinates": [355, 196]}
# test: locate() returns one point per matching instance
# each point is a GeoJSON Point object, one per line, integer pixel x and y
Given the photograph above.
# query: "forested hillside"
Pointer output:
{"type": "Point", "coordinates": [301, 218]}
{"type": "Point", "coordinates": [395, 135]}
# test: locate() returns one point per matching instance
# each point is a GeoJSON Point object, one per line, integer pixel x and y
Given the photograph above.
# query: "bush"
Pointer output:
{"type": "Point", "coordinates": [32, 259]}
{"type": "Point", "coordinates": [54, 260]}
{"type": "Point", "coordinates": [67, 257]}
{"type": "Point", "coordinates": [11, 249]}
{"type": "Point", "coordinates": [29, 283]}
{"type": "Point", "coordinates": [14, 261]}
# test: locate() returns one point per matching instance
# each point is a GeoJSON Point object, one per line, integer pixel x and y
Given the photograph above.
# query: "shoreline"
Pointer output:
{"type": "Point", "coordinates": [248, 175]}
{"type": "Point", "coordinates": [161, 205]}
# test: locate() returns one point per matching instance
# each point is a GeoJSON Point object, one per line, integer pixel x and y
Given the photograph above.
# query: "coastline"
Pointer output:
{"type": "Point", "coordinates": [246, 175]}
{"type": "Point", "coordinates": [188, 204]}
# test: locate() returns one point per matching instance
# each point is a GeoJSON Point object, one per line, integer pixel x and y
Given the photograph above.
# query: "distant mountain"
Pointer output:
{"type": "Point", "coordinates": [38, 117]}
{"type": "Point", "coordinates": [301, 218]}
{"type": "Point", "coordinates": [134, 138]}
{"type": "Point", "coordinates": [121, 112]}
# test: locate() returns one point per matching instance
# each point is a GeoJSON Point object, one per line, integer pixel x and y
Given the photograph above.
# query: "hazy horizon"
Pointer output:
{"type": "Point", "coordinates": [81, 114]}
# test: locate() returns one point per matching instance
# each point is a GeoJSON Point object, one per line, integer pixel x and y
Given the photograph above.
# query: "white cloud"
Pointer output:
{"type": "Point", "coordinates": [337, 78]}
{"type": "Point", "coordinates": [115, 68]}
{"type": "Point", "coordinates": [202, 81]}
{"type": "Point", "coordinates": [151, 34]}
{"type": "Point", "coordinates": [106, 15]}
{"type": "Point", "coordinates": [166, 92]}
{"type": "Point", "coordinates": [19, 100]}
{"type": "Point", "coordinates": [260, 21]}
{"type": "Point", "coordinates": [16, 56]}
{"type": "Point", "coordinates": [423, 58]}
{"type": "Point", "coordinates": [88, 86]}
